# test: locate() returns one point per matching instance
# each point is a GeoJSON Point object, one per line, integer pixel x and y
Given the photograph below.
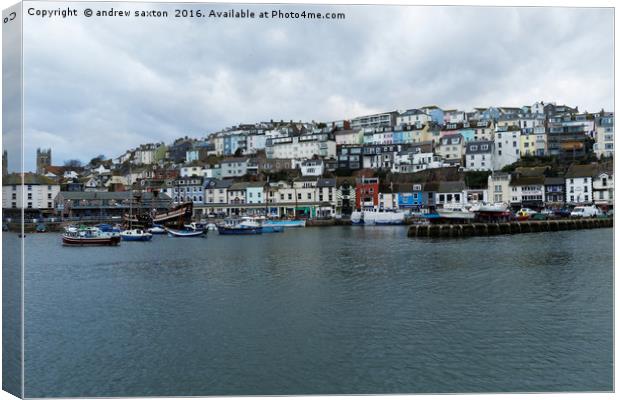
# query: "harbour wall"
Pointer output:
{"type": "Point", "coordinates": [507, 228]}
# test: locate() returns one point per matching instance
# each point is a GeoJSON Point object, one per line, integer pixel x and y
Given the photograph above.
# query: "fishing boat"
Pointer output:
{"type": "Point", "coordinates": [156, 230]}
{"type": "Point", "coordinates": [234, 227]}
{"type": "Point", "coordinates": [136, 235]}
{"type": "Point", "coordinates": [91, 236]}
{"type": "Point", "coordinates": [286, 223]}
{"type": "Point", "coordinates": [493, 207]}
{"type": "Point", "coordinates": [109, 228]}
{"type": "Point", "coordinates": [255, 222]}
{"type": "Point", "coordinates": [185, 232]}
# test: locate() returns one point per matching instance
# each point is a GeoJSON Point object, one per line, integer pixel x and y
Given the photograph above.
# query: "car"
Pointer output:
{"type": "Point", "coordinates": [585, 212]}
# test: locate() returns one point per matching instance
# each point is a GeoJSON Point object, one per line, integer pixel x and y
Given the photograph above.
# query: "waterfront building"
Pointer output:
{"type": "Point", "coordinates": [106, 205]}
{"type": "Point", "coordinates": [603, 189]}
{"type": "Point", "coordinates": [387, 120]}
{"type": "Point", "coordinates": [366, 193]}
{"type": "Point", "coordinates": [410, 196]}
{"type": "Point", "coordinates": [451, 149]}
{"type": "Point", "coordinates": [184, 189]}
{"type": "Point", "coordinates": [555, 191]}
{"type": "Point", "coordinates": [604, 136]}
{"type": "Point", "coordinates": [216, 195]}
{"type": "Point", "coordinates": [327, 196]}
{"type": "Point", "coordinates": [345, 195]}
{"type": "Point", "coordinates": [506, 146]}
{"type": "Point", "coordinates": [479, 156]}
{"type": "Point", "coordinates": [388, 201]}
{"type": "Point", "coordinates": [450, 194]}
{"type": "Point", "coordinates": [34, 194]}
{"type": "Point", "coordinates": [578, 181]}
{"type": "Point", "coordinates": [255, 193]}
{"type": "Point", "coordinates": [527, 190]}
{"type": "Point", "coordinates": [498, 186]}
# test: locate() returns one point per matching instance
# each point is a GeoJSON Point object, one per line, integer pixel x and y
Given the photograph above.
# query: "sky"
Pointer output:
{"type": "Point", "coordinates": [104, 85]}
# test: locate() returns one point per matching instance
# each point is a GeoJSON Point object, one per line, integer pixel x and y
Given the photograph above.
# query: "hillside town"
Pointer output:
{"type": "Point", "coordinates": [542, 155]}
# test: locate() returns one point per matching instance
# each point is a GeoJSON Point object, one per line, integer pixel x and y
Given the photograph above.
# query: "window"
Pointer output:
{"type": "Point", "coordinates": [290, 196]}
{"type": "Point", "coordinates": [49, 204]}
{"type": "Point", "coordinates": [586, 197]}
{"type": "Point", "coordinates": [14, 196]}
{"type": "Point", "coordinates": [309, 196]}
{"type": "Point", "coordinates": [29, 204]}
{"type": "Point", "coordinates": [29, 196]}
{"type": "Point", "coordinates": [585, 188]}
{"type": "Point", "coordinates": [49, 195]}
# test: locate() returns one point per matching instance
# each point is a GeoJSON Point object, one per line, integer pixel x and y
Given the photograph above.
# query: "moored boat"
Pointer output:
{"type": "Point", "coordinates": [91, 236]}
{"type": "Point", "coordinates": [156, 230]}
{"type": "Point", "coordinates": [286, 223]}
{"type": "Point", "coordinates": [259, 222]}
{"type": "Point", "coordinates": [136, 235]}
{"type": "Point", "coordinates": [243, 227]}
{"type": "Point", "coordinates": [185, 232]}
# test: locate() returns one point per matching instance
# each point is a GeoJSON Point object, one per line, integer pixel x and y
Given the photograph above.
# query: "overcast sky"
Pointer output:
{"type": "Point", "coordinates": [103, 85]}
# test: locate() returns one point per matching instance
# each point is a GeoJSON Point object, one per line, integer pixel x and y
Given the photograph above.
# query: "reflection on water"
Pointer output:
{"type": "Point", "coordinates": [333, 310]}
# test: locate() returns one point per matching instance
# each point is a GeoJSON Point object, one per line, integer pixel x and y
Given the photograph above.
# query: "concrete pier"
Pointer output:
{"type": "Point", "coordinates": [507, 228]}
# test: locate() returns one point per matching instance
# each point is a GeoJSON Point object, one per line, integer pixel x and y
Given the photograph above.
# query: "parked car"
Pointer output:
{"type": "Point", "coordinates": [562, 212]}
{"type": "Point", "coordinates": [585, 212]}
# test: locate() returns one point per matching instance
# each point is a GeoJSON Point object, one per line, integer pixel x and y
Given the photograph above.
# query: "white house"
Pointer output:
{"type": "Point", "coordinates": [479, 156]}
{"type": "Point", "coordinates": [579, 184]}
{"type": "Point", "coordinates": [234, 167]}
{"type": "Point", "coordinates": [604, 146]}
{"type": "Point", "coordinates": [506, 147]}
{"type": "Point", "coordinates": [312, 167]}
{"type": "Point", "coordinates": [413, 117]}
{"type": "Point", "coordinates": [498, 187]}
{"type": "Point", "coordinates": [603, 189]}
{"type": "Point", "coordinates": [192, 170]}
{"type": "Point", "coordinates": [36, 192]}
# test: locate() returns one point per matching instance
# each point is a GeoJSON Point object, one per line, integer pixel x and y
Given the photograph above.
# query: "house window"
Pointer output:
{"type": "Point", "coordinates": [49, 204]}
{"type": "Point", "coordinates": [14, 196]}
{"type": "Point", "coordinates": [29, 204]}
{"type": "Point", "coordinates": [49, 195]}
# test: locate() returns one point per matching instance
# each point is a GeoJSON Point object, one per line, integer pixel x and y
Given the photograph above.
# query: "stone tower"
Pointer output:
{"type": "Point", "coordinates": [5, 163]}
{"type": "Point", "coordinates": [44, 159]}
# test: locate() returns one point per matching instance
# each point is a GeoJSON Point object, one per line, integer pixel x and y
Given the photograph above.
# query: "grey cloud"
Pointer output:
{"type": "Point", "coordinates": [102, 86]}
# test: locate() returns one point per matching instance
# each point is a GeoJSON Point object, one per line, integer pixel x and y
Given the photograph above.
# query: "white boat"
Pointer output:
{"type": "Point", "coordinates": [378, 217]}
{"type": "Point", "coordinates": [287, 223]}
{"type": "Point", "coordinates": [260, 222]}
{"type": "Point", "coordinates": [455, 213]}
{"type": "Point", "coordinates": [136, 235]}
{"type": "Point", "coordinates": [185, 232]}
{"type": "Point", "coordinates": [495, 207]}
{"type": "Point", "coordinates": [157, 230]}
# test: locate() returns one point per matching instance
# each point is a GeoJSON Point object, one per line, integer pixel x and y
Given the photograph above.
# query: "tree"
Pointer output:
{"type": "Point", "coordinates": [97, 160]}
{"type": "Point", "coordinates": [74, 163]}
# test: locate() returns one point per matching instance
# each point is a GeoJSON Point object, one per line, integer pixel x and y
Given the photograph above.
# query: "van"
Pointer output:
{"type": "Point", "coordinates": [585, 211]}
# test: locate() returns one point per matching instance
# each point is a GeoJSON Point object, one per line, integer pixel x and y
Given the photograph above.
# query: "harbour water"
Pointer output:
{"type": "Point", "coordinates": [319, 310]}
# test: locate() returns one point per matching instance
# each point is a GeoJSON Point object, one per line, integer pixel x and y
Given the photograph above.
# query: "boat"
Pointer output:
{"type": "Point", "coordinates": [493, 207]}
{"type": "Point", "coordinates": [455, 214]}
{"type": "Point", "coordinates": [286, 223]}
{"type": "Point", "coordinates": [211, 227]}
{"type": "Point", "coordinates": [91, 236]}
{"type": "Point", "coordinates": [378, 218]}
{"type": "Point", "coordinates": [185, 232]}
{"type": "Point", "coordinates": [156, 230]}
{"type": "Point", "coordinates": [256, 222]}
{"type": "Point", "coordinates": [136, 235]}
{"type": "Point", "coordinates": [234, 227]}
{"type": "Point", "coordinates": [109, 228]}
{"type": "Point", "coordinates": [196, 226]}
